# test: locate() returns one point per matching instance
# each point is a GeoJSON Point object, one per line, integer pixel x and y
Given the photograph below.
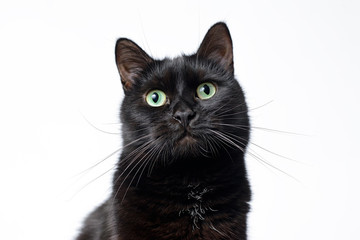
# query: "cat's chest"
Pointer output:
{"type": "Point", "coordinates": [185, 211]}
{"type": "Point", "coordinates": [197, 204]}
{"type": "Point", "coordinates": [189, 209]}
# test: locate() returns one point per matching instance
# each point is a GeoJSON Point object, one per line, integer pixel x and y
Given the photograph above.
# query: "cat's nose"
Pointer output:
{"type": "Point", "coordinates": [184, 116]}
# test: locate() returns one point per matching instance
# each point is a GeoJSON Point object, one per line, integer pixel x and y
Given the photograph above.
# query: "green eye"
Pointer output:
{"type": "Point", "coordinates": [156, 98]}
{"type": "Point", "coordinates": [206, 90]}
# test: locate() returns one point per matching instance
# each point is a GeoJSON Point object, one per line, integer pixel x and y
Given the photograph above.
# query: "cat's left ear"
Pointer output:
{"type": "Point", "coordinates": [131, 61]}
{"type": "Point", "coordinates": [217, 46]}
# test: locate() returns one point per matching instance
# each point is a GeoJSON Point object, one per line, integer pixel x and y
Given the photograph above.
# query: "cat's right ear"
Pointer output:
{"type": "Point", "coordinates": [131, 61]}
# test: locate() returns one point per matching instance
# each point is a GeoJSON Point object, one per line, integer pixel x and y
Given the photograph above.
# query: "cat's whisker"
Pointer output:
{"type": "Point", "coordinates": [227, 139]}
{"type": "Point", "coordinates": [244, 111]}
{"type": "Point", "coordinates": [92, 125]}
{"type": "Point", "coordinates": [267, 150]}
{"type": "Point", "coordinates": [143, 165]}
{"type": "Point", "coordinates": [279, 131]}
{"type": "Point", "coordinates": [227, 118]}
{"type": "Point", "coordinates": [230, 109]}
{"type": "Point", "coordinates": [143, 162]}
{"type": "Point", "coordinates": [109, 156]}
{"type": "Point", "coordinates": [138, 130]}
{"type": "Point", "coordinates": [259, 159]}
{"type": "Point", "coordinates": [256, 155]}
{"type": "Point", "coordinates": [128, 157]}
{"type": "Point", "coordinates": [148, 157]}
{"type": "Point", "coordinates": [214, 143]}
{"type": "Point", "coordinates": [262, 160]}
{"type": "Point", "coordinates": [210, 145]}
{"type": "Point", "coordinates": [92, 181]}
{"type": "Point", "coordinates": [261, 106]}
{"type": "Point", "coordinates": [256, 145]}
{"type": "Point", "coordinates": [98, 163]}
{"type": "Point", "coordinates": [222, 106]}
{"type": "Point", "coordinates": [135, 160]}
{"type": "Point", "coordinates": [226, 115]}
{"type": "Point", "coordinates": [154, 151]}
{"type": "Point", "coordinates": [159, 151]}
{"type": "Point", "coordinates": [142, 168]}
{"type": "Point", "coordinates": [86, 171]}
{"type": "Point", "coordinates": [124, 180]}
{"type": "Point", "coordinates": [203, 151]}
{"type": "Point", "coordinates": [139, 152]}
{"type": "Point", "coordinates": [227, 144]}
{"type": "Point", "coordinates": [223, 114]}
{"type": "Point", "coordinates": [247, 127]}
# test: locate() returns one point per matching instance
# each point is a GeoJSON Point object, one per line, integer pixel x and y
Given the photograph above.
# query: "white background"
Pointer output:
{"type": "Point", "coordinates": [57, 72]}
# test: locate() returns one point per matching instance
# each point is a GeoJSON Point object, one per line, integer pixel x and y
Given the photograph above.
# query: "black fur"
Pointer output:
{"type": "Point", "coordinates": [181, 174]}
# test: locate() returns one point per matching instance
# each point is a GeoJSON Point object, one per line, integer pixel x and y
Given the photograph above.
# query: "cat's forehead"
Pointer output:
{"type": "Point", "coordinates": [181, 69]}
{"type": "Point", "coordinates": [177, 66]}
{"type": "Point", "coordinates": [180, 60]}
{"type": "Point", "coordinates": [180, 74]}
{"type": "Point", "coordinates": [176, 73]}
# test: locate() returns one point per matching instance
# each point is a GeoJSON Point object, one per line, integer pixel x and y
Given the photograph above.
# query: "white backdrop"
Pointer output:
{"type": "Point", "coordinates": [57, 73]}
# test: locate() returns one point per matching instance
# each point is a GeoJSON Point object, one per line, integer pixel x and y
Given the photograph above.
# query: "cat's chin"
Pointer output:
{"type": "Point", "coordinates": [185, 145]}
{"type": "Point", "coordinates": [186, 140]}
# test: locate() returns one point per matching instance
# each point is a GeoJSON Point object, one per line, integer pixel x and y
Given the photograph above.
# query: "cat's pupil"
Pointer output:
{"type": "Point", "coordinates": [155, 97]}
{"type": "Point", "coordinates": [206, 89]}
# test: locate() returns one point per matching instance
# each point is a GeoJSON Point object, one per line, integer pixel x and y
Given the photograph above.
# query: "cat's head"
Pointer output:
{"type": "Point", "coordinates": [187, 107]}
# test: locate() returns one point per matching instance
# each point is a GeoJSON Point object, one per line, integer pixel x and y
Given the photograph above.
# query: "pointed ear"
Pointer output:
{"type": "Point", "coordinates": [217, 46]}
{"type": "Point", "coordinates": [131, 61]}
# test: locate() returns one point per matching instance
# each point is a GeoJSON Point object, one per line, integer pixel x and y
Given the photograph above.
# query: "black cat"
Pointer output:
{"type": "Point", "coordinates": [185, 128]}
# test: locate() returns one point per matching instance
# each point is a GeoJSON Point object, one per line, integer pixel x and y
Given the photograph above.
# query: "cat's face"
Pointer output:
{"type": "Point", "coordinates": [190, 106]}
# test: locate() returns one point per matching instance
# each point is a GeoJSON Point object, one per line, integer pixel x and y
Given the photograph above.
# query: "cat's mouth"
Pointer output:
{"type": "Point", "coordinates": [186, 139]}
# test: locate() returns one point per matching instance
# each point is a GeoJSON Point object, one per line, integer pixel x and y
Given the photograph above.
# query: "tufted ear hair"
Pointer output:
{"type": "Point", "coordinates": [131, 61]}
{"type": "Point", "coordinates": [217, 46]}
